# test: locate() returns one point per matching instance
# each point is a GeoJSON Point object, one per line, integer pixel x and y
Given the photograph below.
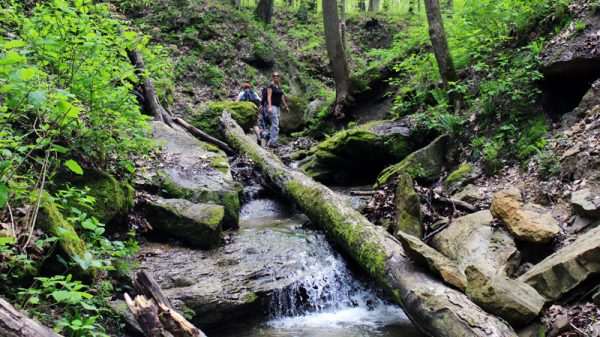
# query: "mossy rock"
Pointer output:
{"type": "Point", "coordinates": [295, 119]}
{"type": "Point", "coordinates": [70, 245]}
{"type": "Point", "coordinates": [358, 154]}
{"type": "Point", "coordinates": [196, 224]}
{"type": "Point", "coordinates": [460, 177]}
{"type": "Point", "coordinates": [206, 117]}
{"type": "Point", "coordinates": [113, 199]}
{"type": "Point", "coordinates": [425, 164]}
{"type": "Point", "coordinates": [408, 207]}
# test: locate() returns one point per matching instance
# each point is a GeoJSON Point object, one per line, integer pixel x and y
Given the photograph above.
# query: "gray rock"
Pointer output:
{"type": "Point", "coordinates": [196, 171]}
{"type": "Point", "coordinates": [473, 240]}
{"type": "Point", "coordinates": [574, 52]}
{"type": "Point", "coordinates": [469, 193]}
{"type": "Point", "coordinates": [566, 268]}
{"type": "Point", "coordinates": [237, 280]}
{"type": "Point", "coordinates": [464, 174]}
{"type": "Point", "coordinates": [586, 202]}
{"type": "Point", "coordinates": [421, 253]}
{"type": "Point", "coordinates": [515, 301]}
{"type": "Point", "coordinates": [196, 224]}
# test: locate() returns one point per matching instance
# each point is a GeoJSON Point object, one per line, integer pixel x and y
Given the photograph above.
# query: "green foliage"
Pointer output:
{"type": "Point", "coordinates": [548, 163]}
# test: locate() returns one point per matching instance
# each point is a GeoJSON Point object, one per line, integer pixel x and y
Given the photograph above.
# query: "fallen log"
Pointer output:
{"type": "Point", "coordinates": [155, 313]}
{"type": "Point", "coordinates": [433, 307]}
{"type": "Point", "coordinates": [203, 136]}
{"type": "Point", "coordinates": [14, 323]}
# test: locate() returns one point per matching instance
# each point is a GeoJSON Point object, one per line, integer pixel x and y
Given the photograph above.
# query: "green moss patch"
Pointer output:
{"type": "Point", "coordinates": [206, 117]}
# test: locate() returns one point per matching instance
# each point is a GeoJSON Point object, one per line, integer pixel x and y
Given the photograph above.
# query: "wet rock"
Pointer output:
{"type": "Point", "coordinates": [196, 224]}
{"type": "Point", "coordinates": [579, 224]}
{"type": "Point", "coordinates": [314, 107]}
{"type": "Point", "coordinates": [535, 329]}
{"type": "Point", "coordinates": [425, 164]}
{"type": "Point", "coordinates": [586, 202]}
{"type": "Point", "coordinates": [358, 154]}
{"type": "Point", "coordinates": [568, 267]}
{"type": "Point", "coordinates": [470, 194]}
{"type": "Point", "coordinates": [515, 301]}
{"type": "Point", "coordinates": [196, 171]}
{"type": "Point", "coordinates": [473, 240]}
{"type": "Point", "coordinates": [235, 281]}
{"type": "Point", "coordinates": [424, 255]}
{"type": "Point", "coordinates": [463, 175]}
{"type": "Point", "coordinates": [408, 207]}
{"type": "Point", "coordinates": [527, 222]}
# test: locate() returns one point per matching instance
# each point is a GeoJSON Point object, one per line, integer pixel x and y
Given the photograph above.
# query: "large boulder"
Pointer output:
{"type": "Point", "coordinates": [239, 280]}
{"type": "Point", "coordinates": [295, 119]}
{"type": "Point", "coordinates": [515, 301]}
{"type": "Point", "coordinates": [358, 154]}
{"type": "Point", "coordinates": [527, 222]}
{"type": "Point", "coordinates": [566, 268]}
{"type": "Point", "coordinates": [408, 207]}
{"type": "Point", "coordinates": [425, 164]}
{"type": "Point", "coordinates": [426, 256]}
{"type": "Point", "coordinates": [196, 171]}
{"type": "Point", "coordinates": [196, 224]}
{"type": "Point", "coordinates": [575, 51]}
{"type": "Point", "coordinates": [474, 240]}
{"type": "Point", "coordinates": [206, 116]}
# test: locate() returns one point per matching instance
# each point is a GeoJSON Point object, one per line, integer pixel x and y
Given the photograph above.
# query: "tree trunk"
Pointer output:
{"type": "Point", "coordinates": [264, 10]}
{"type": "Point", "coordinates": [236, 4]}
{"type": "Point", "coordinates": [433, 307]}
{"type": "Point", "coordinates": [373, 5]}
{"type": "Point", "coordinates": [343, 30]}
{"type": "Point", "coordinates": [449, 4]}
{"type": "Point", "coordinates": [337, 56]}
{"type": "Point", "coordinates": [437, 35]}
{"type": "Point", "coordinates": [411, 7]}
{"type": "Point", "coordinates": [151, 102]}
{"type": "Point", "coordinates": [362, 5]}
{"type": "Point", "coordinates": [14, 323]}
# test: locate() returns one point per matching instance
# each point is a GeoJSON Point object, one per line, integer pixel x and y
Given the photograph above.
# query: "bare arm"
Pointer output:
{"type": "Point", "coordinates": [269, 93]}
{"type": "Point", "coordinates": [285, 103]}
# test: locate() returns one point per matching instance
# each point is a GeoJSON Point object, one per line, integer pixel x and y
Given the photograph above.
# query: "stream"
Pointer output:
{"type": "Point", "coordinates": [326, 299]}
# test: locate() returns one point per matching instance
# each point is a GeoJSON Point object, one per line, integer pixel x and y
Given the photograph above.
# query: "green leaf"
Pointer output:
{"type": "Point", "coordinates": [3, 195]}
{"type": "Point", "coordinates": [4, 166]}
{"type": "Point", "coordinates": [4, 240]}
{"type": "Point", "coordinates": [59, 149]}
{"type": "Point", "coordinates": [15, 44]}
{"type": "Point", "coordinates": [34, 300]}
{"type": "Point", "coordinates": [73, 166]}
{"type": "Point", "coordinates": [89, 224]}
{"type": "Point", "coordinates": [28, 73]}
{"type": "Point", "coordinates": [37, 97]}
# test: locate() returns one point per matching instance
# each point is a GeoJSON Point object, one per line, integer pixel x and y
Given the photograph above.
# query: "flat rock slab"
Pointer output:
{"type": "Point", "coordinates": [196, 171]}
{"type": "Point", "coordinates": [527, 222]}
{"type": "Point", "coordinates": [236, 281]}
{"type": "Point", "coordinates": [196, 224]}
{"type": "Point", "coordinates": [567, 268]}
{"type": "Point", "coordinates": [515, 301]}
{"type": "Point", "coordinates": [586, 202]}
{"type": "Point", "coordinates": [473, 240]}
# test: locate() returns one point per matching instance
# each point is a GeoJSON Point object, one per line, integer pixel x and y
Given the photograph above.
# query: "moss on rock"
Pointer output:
{"type": "Point", "coordinates": [206, 118]}
{"type": "Point", "coordinates": [425, 164]}
{"type": "Point", "coordinates": [460, 177]}
{"type": "Point", "coordinates": [408, 207]}
{"type": "Point", "coordinates": [356, 154]}
{"type": "Point", "coordinates": [113, 200]}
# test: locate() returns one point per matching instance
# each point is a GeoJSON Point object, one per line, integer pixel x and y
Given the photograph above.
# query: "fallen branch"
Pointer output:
{"type": "Point", "coordinates": [155, 313]}
{"type": "Point", "coordinates": [203, 136]}
{"type": "Point", "coordinates": [14, 323]}
{"type": "Point", "coordinates": [433, 307]}
{"type": "Point", "coordinates": [465, 206]}
{"type": "Point", "coordinates": [363, 193]}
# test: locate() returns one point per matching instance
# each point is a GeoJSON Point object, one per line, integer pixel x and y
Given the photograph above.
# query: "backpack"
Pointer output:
{"type": "Point", "coordinates": [264, 95]}
{"type": "Point", "coordinates": [250, 97]}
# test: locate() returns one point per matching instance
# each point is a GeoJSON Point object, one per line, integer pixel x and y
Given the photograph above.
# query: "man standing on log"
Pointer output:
{"type": "Point", "coordinates": [275, 97]}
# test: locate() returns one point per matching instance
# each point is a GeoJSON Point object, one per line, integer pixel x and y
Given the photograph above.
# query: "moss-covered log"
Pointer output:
{"type": "Point", "coordinates": [434, 308]}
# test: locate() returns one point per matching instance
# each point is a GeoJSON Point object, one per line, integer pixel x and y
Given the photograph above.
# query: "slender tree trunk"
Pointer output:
{"type": "Point", "coordinates": [236, 4]}
{"type": "Point", "coordinates": [373, 5]}
{"type": "Point", "coordinates": [337, 56]}
{"type": "Point", "coordinates": [439, 42]}
{"type": "Point", "coordinates": [343, 29]}
{"type": "Point", "coordinates": [418, 6]}
{"type": "Point", "coordinates": [434, 308]}
{"type": "Point", "coordinates": [411, 7]}
{"type": "Point", "coordinates": [362, 5]}
{"type": "Point", "coordinates": [449, 4]}
{"type": "Point", "coordinates": [264, 10]}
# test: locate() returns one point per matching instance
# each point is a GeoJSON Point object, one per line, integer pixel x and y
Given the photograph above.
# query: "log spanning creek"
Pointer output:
{"type": "Point", "coordinates": [326, 298]}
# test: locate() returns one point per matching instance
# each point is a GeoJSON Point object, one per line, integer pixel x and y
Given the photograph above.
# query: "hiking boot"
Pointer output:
{"type": "Point", "coordinates": [258, 140]}
{"type": "Point", "coordinates": [273, 145]}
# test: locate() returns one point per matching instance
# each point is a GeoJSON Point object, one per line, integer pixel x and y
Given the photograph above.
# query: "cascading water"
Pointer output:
{"type": "Point", "coordinates": [325, 298]}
